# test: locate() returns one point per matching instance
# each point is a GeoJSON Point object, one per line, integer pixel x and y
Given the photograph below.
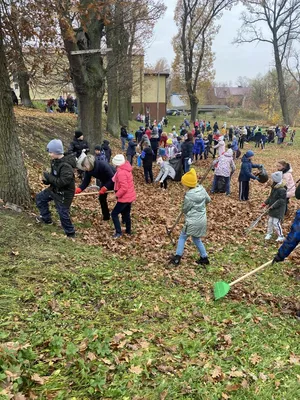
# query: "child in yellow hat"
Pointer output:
{"type": "Point", "coordinates": [194, 209]}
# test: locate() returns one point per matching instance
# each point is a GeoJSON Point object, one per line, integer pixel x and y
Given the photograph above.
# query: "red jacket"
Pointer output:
{"type": "Point", "coordinates": [148, 133]}
{"type": "Point", "coordinates": [124, 186]}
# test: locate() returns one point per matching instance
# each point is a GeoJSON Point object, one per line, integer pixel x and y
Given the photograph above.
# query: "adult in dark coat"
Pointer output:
{"type": "Point", "coordinates": [102, 171]}
{"type": "Point", "coordinates": [187, 152]}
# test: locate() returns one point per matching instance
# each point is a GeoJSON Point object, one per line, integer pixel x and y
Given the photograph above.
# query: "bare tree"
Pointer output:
{"type": "Point", "coordinates": [276, 22]}
{"type": "Point", "coordinates": [13, 177]}
{"type": "Point", "coordinates": [195, 20]}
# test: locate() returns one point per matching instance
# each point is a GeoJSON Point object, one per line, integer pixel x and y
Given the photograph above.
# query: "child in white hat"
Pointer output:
{"type": "Point", "coordinates": [277, 204]}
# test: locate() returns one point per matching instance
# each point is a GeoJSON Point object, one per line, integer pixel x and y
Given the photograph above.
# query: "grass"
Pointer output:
{"type": "Point", "coordinates": [77, 323]}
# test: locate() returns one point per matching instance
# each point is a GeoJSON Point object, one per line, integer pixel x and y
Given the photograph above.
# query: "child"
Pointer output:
{"type": "Point", "coordinates": [220, 146]}
{"type": "Point", "coordinates": [147, 157]}
{"type": "Point", "coordinates": [287, 176]}
{"type": "Point", "coordinates": [171, 150]}
{"type": "Point", "coordinates": [276, 211]}
{"type": "Point", "coordinates": [246, 174]}
{"type": "Point", "coordinates": [61, 188]}
{"type": "Point", "coordinates": [198, 147]}
{"type": "Point", "coordinates": [166, 171]}
{"type": "Point", "coordinates": [131, 149]}
{"type": "Point", "coordinates": [263, 140]}
{"type": "Point", "coordinates": [163, 139]}
{"type": "Point", "coordinates": [100, 154]}
{"type": "Point", "coordinates": [224, 169]}
{"type": "Point", "coordinates": [125, 193]}
{"type": "Point", "coordinates": [107, 150]}
{"type": "Point", "coordinates": [76, 147]}
{"type": "Point", "coordinates": [194, 209]}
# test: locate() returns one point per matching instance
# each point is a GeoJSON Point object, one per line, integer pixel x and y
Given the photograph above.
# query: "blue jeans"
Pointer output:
{"type": "Point", "coordinates": [197, 241]}
{"type": "Point", "coordinates": [215, 184]}
{"type": "Point", "coordinates": [42, 201]}
{"type": "Point", "coordinates": [186, 165]}
{"type": "Point", "coordinates": [123, 209]}
{"type": "Point", "coordinates": [123, 141]}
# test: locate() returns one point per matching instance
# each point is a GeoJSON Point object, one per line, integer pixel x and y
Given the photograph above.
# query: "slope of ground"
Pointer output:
{"type": "Point", "coordinates": [108, 319]}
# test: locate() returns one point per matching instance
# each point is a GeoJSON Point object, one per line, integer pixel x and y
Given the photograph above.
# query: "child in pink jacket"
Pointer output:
{"type": "Point", "coordinates": [125, 193]}
{"type": "Point", "coordinates": [286, 169]}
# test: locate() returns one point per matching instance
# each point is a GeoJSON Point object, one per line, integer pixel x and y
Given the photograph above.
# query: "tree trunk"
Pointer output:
{"type": "Point", "coordinates": [90, 116]}
{"type": "Point", "coordinates": [14, 186]}
{"type": "Point", "coordinates": [194, 106]}
{"type": "Point", "coordinates": [281, 86]}
{"type": "Point", "coordinates": [23, 78]}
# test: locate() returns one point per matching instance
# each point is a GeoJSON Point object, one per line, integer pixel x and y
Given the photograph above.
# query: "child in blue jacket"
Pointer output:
{"type": "Point", "coordinates": [246, 175]}
{"type": "Point", "coordinates": [198, 147]}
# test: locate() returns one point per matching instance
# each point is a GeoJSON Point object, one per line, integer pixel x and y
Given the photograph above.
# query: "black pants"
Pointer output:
{"type": "Point", "coordinates": [257, 143]}
{"type": "Point", "coordinates": [148, 174]}
{"type": "Point", "coordinates": [104, 206]}
{"type": "Point", "coordinates": [123, 209]}
{"type": "Point", "coordinates": [242, 144]}
{"type": "Point", "coordinates": [164, 184]}
{"type": "Point", "coordinates": [130, 158]}
{"type": "Point", "coordinates": [244, 190]}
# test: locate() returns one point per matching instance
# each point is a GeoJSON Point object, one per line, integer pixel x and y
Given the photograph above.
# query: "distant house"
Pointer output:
{"type": "Point", "coordinates": [229, 96]}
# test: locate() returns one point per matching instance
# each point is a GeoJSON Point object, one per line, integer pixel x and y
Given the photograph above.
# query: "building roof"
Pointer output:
{"type": "Point", "coordinates": [224, 92]}
{"type": "Point", "coordinates": [157, 73]}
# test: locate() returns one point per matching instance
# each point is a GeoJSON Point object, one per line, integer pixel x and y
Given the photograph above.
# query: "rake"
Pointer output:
{"type": "Point", "coordinates": [222, 288]}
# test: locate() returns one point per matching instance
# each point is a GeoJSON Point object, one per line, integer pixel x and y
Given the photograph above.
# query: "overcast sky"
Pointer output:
{"type": "Point", "coordinates": [231, 60]}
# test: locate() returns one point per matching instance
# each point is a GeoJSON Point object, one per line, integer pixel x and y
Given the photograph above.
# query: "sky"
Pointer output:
{"type": "Point", "coordinates": [231, 61]}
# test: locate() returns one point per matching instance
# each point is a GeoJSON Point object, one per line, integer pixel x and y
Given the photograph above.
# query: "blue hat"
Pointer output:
{"type": "Point", "coordinates": [55, 146]}
{"type": "Point", "coordinates": [130, 136]}
{"type": "Point", "coordinates": [249, 154]}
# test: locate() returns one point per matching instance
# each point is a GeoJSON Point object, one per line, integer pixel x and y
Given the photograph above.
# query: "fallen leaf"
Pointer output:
{"type": "Point", "coordinates": [262, 376]}
{"type": "Point", "coordinates": [232, 388]}
{"type": "Point", "coordinates": [39, 379]}
{"type": "Point", "coordinates": [19, 396]}
{"type": "Point", "coordinates": [91, 356]}
{"type": "Point", "coordinates": [294, 359]}
{"type": "Point", "coordinates": [255, 358]}
{"type": "Point", "coordinates": [135, 369]}
{"type": "Point", "coordinates": [163, 395]}
{"type": "Point", "coordinates": [217, 372]}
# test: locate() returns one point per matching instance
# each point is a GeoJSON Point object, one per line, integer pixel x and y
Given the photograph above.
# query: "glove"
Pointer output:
{"type": "Point", "coordinates": [103, 190]}
{"type": "Point", "coordinates": [189, 161]}
{"type": "Point", "coordinates": [78, 190]}
{"type": "Point", "coordinates": [277, 258]}
{"type": "Point", "coordinates": [263, 205]}
{"type": "Point", "coordinates": [45, 182]}
{"type": "Point", "coordinates": [46, 178]}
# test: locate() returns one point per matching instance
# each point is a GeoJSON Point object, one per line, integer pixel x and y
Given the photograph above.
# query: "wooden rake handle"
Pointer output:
{"type": "Point", "coordinates": [250, 273]}
{"type": "Point", "coordinates": [91, 193]}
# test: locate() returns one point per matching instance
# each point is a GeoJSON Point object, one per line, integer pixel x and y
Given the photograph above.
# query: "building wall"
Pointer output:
{"type": "Point", "coordinates": [152, 109]}
{"type": "Point", "coordinates": [155, 89]}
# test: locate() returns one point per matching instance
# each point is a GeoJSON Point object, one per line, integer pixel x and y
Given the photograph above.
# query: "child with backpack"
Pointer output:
{"type": "Point", "coordinates": [194, 209]}
{"type": "Point", "coordinates": [277, 205]}
{"type": "Point", "coordinates": [100, 154]}
{"type": "Point", "coordinates": [147, 158]}
{"type": "Point", "coordinates": [131, 149]}
{"type": "Point", "coordinates": [106, 149]}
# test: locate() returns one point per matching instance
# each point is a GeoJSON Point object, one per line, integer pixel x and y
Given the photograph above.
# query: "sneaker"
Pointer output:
{"type": "Point", "coordinates": [280, 239]}
{"type": "Point", "coordinates": [175, 260]}
{"type": "Point", "coordinates": [268, 237]}
{"type": "Point", "coordinates": [117, 235]}
{"type": "Point", "coordinates": [203, 261]}
{"type": "Point", "coordinates": [71, 235]}
{"type": "Point", "coordinates": [39, 219]}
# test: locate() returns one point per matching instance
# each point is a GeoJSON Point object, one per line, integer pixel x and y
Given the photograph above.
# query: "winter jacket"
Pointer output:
{"type": "Point", "coordinates": [194, 208]}
{"type": "Point", "coordinates": [171, 151]}
{"type": "Point", "coordinates": [289, 181]}
{"type": "Point", "coordinates": [62, 179]}
{"type": "Point", "coordinates": [124, 133]}
{"type": "Point", "coordinates": [220, 146]}
{"type": "Point", "coordinates": [107, 150]}
{"type": "Point", "coordinates": [165, 170]}
{"type": "Point", "coordinates": [198, 146]}
{"type": "Point", "coordinates": [145, 139]}
{"type": "Point", "coordinates": [163, 141]}
{"type": "Point", "coordinates": [246, 170]}
{"type": "Point", "coordinates": [131, 148]}
{"type": "Point", "coordinates": [147, 157]}
{"type": "Point", "coordinates": [292, 239]}
{"type": "Point", "coordinates": [234, 145]}
{"type": "Point", "coordinates": [225, 165]}
{"type": "Point", "coordinates": [278, 193]}
{"type": "Point", "coordinates": [124, 186]}
{"type": "Point", "coordinates": [102, 171]}
{"type": "Point", "coordinates": [154, 142]}
{"type": "Point", "coordinates": [258, 136]}
{"type": "Point", "coordinates": [76, 146]}
{"type": "Point", "coordinates": [187, 149]}
{"type": "Point", "coordinates": [297, 193]}
{"type": "Point", "coordinates": [148, 133]}
{"type": "Point", "coordinates": [138, 135]}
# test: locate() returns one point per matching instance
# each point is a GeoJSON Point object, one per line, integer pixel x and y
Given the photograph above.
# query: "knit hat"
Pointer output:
{"type": "Point", "coordinates": [78, 134]}
{"type": "Point", "coordinates": [98, 147]}
{"type": "Point", "coordinates": [190, 178]}
{"type": "Point", "coordinates": [277, 177]}
{"type": "Point", "coordinates": [130, 136]}
{"type": "Point", "coordinates": [169, 141]}
{"type": "Point", "coordinates": [249, 154]}
{"type": "Point", "coordinates": [118, 160]}
{"type": "Point", "coordinates": [55, 146]}
{"type": "Point", "coordinates": [106, 142]}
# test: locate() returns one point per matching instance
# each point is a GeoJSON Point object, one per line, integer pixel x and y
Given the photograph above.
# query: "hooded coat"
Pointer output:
{"type": "Point", "coordinates": [165, 170]}
{"type": "Point", "coordinates": [62, 180]}
{"type": "Point", "coordinates": [107, 150]}
{"type": "Point", "coordinates": [278, 193]}
{"type": "Point", "coordinates": [124, 186]}
{"type": "Point", "coordinates": [289, 181]}
{"type": "Point", "coordinates": [225, 165]}
{"type": "Point", "coordinates": [198, 146]}
{"type": "Point", "coordinates": [76, 146]}
{"type": "Point", "coordinates": [220, 146]}
{"type": "Point", "coordinates": [194, 208]}
{"type": "Point", "coordinates": [246, 169]}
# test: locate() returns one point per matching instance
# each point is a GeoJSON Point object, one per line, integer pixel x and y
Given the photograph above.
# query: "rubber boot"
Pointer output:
{"type": "Point", "coordinates": [175, 260]}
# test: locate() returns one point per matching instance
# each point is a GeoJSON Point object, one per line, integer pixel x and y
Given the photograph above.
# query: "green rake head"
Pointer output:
{"type": "Point", "coordinates": [221, 289]}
